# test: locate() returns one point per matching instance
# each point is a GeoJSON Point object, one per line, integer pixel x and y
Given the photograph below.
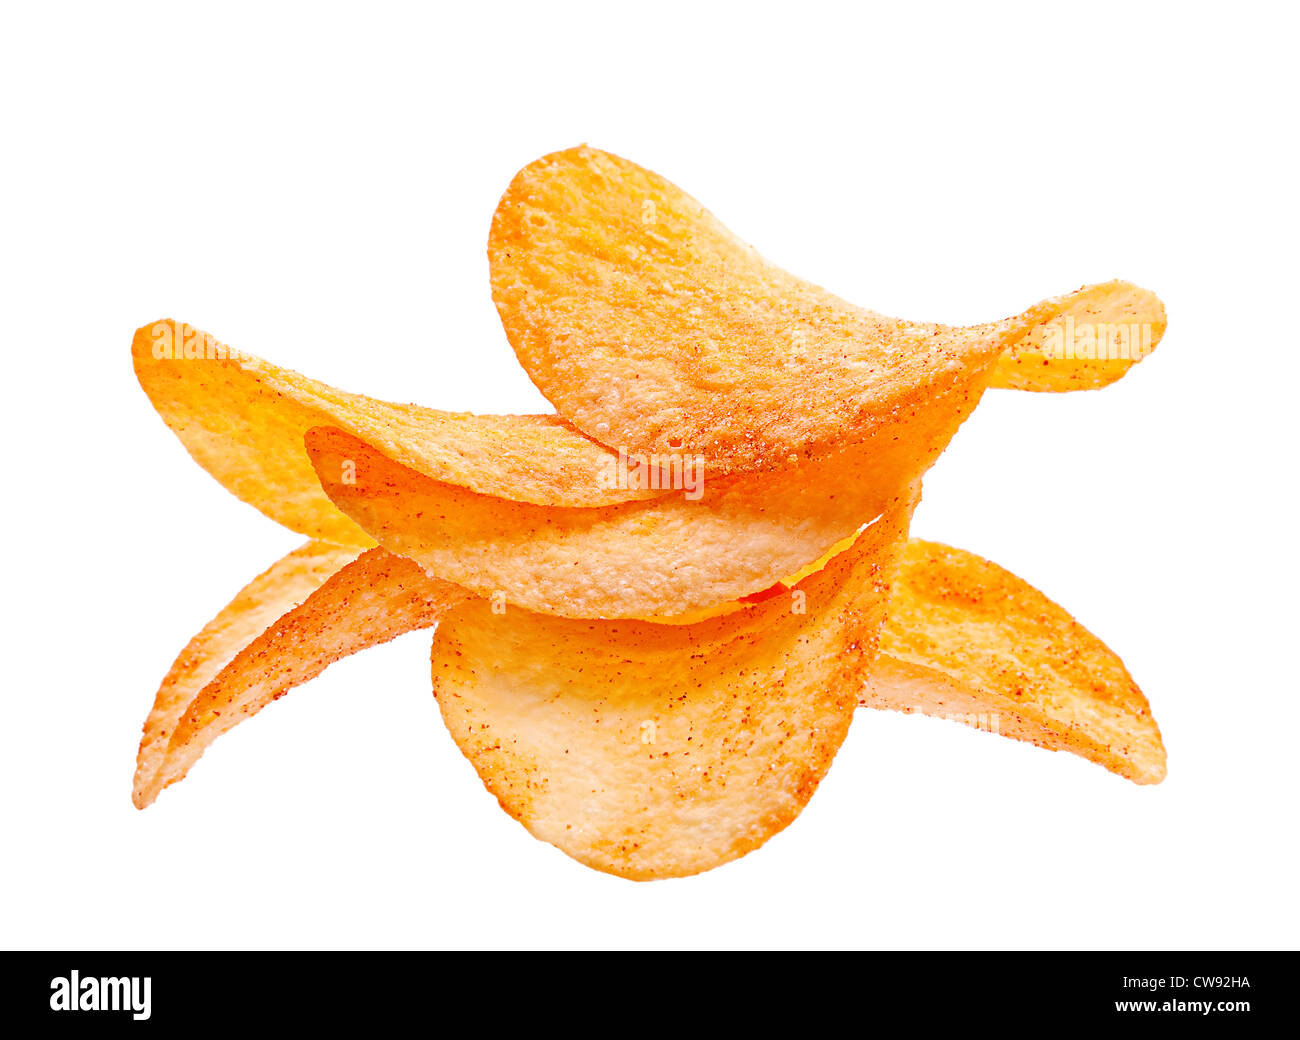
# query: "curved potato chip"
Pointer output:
{"type": "Point", "coordinates": [666, 557]}
{"type": "Point", "coordinates": [972, 642]}
{"type": "Point", "coordinates": [1093, 338]}
{"type": "Point", "coordinates": [652, 327]}
{"type": "Point", "coordinates": [270, 595]}
{"type": "Point", "coordinates": [652, 751]}
{"type": "Point", "coordinates": [329, 603]}
{"type": "Point", "coordinates": [242, 419]}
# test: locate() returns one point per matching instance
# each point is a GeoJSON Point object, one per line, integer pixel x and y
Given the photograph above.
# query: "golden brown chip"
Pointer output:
{"type": "Point", "coordinates": [243, 419]}
{"type": "Point", "coordinates": [654, 751]}
{"type": "Point", "coordinates": [652, 327]}
{"type": "Point", "coordinates": [264, 599]}
{"type": "Point", "coordinates": [665, 557]}
{"type": "Point", "coordinates": [970, 641]}
{"type": "Point", "coordinates": [329, 603]}
{"type": "Point", "coordinates": [1093, 337]}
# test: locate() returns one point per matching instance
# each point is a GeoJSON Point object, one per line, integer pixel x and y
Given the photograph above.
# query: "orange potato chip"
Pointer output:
{"type": "Point", "coordinates": [972, 642]}
{"type": "Point", "coordinates": [1093, 338]}
{"type": "Point", "coordinates": [264, 599]}
{"type": "Point", "coordinates": [315, 606]}
{"type": "Point", "coordinates": [652, 751]}
{"type": "Point", "coordinates": [664, 557]}
{"type": "Point", "coordinates": [243, 419]}
{"type": "Point", "coordinates": [652, 327]}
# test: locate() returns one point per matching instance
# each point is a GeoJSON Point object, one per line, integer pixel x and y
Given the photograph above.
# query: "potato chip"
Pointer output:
{"type": "Point", "coordinates": [652, 327]}
{"type": "Point", "coordinates": [652, 751]}
{"type": "Point", "coordinates": [668, 556]}
{"type": "Point", "coordinates": [972, 642]}
{"type": "Point", "coordinates": [329, 602]}
{"type": "Point", "coordinates": [1092, 338]}
{"type": "Point", "coordinates": [242, 419]}
{"type": "Point", "coordinates": [267, 597]}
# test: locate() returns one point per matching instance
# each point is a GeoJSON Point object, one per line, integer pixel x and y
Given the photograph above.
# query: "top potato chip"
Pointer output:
{"type": "Point", "coordinates": [1084, 341]}
{"type": "Point", "coordinates": [243, 419]}
{"type": "Point", "coordinates": [652, 327]}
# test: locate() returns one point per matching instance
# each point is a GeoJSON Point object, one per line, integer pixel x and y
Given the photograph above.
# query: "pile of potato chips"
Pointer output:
{"type": "Point", "coordinates": [657, 610]}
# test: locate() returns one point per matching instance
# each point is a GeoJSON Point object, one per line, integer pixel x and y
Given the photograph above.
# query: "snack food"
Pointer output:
{"type": "Point", "coordinates": [664, 557]}
{"type": "Point", "coordinates": [312, 608]}
{"type": "Point", "coordinates": [648, 324]}
{"type": "Point", "coordinates": [242, 419]}
{"type": "Point", "coordinates": [653, 679]}
{"type": "Point", "coordinates": [971, 642]}
{"type": "Point", "coordinates": [270, 595]}
{"type": "Point", "coordinates": [963, 640]}
{"type": "Point", "coordinates": [654, 751]}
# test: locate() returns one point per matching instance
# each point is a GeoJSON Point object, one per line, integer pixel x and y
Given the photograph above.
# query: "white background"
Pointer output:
{"type": "Point", "coordinates": [314, 184]}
